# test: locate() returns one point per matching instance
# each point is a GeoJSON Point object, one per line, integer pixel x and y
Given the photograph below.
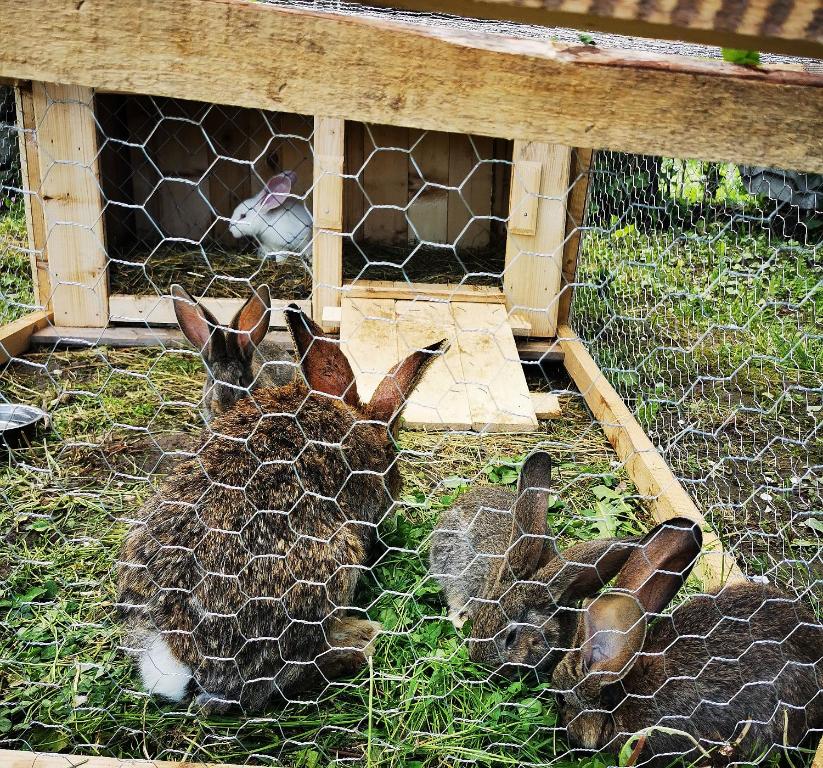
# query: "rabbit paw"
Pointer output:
{"type": "Point", "coordinates": [458, 617]}
{"type": "Point", "coordinates": [355, 633]}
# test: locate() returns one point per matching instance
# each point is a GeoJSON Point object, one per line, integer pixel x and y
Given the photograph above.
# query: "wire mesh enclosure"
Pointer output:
{"type": "Point", "coordinates": [335, 521]}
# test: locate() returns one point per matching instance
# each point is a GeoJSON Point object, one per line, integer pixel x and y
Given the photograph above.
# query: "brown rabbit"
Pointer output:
{"type": "Point", "coordinates": [738, 672]}
{"type": "Point", "coordinates": [237, 359]}
{"type": "Point", "coordinates": [237, 581]}
{"type": "Point", "coordinates": [497, 565]}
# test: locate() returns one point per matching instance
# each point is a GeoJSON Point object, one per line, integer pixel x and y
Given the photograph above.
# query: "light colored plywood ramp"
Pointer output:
{"type": "Point", "coordinates": [477, 385]}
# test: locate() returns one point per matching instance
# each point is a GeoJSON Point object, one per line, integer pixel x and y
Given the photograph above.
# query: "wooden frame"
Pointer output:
{"type": "Point", "coordinates": [378, 71]}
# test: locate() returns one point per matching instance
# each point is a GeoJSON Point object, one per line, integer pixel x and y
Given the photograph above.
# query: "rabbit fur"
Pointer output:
{"type": "Point", "coordinates": [237, 359]}
{"type": "Point", "coordinates": [740, 670]}
{"type": "Point", "coordinates": [236, 583]}
{"type": "Point", "coordinates": [493, 558]}
{"type": "Point", "coordinates": [281, 224]}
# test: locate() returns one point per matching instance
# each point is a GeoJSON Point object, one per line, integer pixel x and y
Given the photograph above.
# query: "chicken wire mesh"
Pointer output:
{"type": "Point", "coordinates": [262, 530]}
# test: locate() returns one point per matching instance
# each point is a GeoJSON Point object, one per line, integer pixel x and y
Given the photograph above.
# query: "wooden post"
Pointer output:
{"type": "Point", "coordinates": [646, 467]}
{"type": "Point", "coordinates": [575, 214]}
{"type": "Point", "coordinates": [30, 173]}
{"type": "Point", "coordinates": [534, 246]}
{"type": "Point", "coordinates": [327, 260]}
{"type": "Point", "coordinates": [72, 204]}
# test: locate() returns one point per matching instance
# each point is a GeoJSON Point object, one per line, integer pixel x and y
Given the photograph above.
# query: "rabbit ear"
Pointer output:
{"type": "Point", "coordinates": [199, 325]}
{"type": "Point", "coordinates": [614, 626]}
{"type": "Point", "coordinates": [529, 528]}
{"type": "Point", "coordinates": [389, 398]}
{"type": "Point", "coordinates": [276, 191]}
{"type": "Point", "coordinates": [662, 562]}
{"type": "Point", "coordinates": [252, 320]}
{"type": "Point", "coordinates": [584, 569]}
{"type": "Point", "coordinates": [324, 365]}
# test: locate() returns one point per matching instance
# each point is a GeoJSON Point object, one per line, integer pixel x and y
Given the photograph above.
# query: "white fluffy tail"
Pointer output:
{"type": "Point", "coordinates": [161, 672]}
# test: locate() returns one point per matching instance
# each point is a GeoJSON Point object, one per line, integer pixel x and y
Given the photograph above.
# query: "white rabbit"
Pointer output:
{"type": "Point", "coordinates": [281, 224]}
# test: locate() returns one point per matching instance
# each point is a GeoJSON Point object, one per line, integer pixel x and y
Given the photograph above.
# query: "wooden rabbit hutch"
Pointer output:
{"type": "Point", "coordinates": [143, 123]}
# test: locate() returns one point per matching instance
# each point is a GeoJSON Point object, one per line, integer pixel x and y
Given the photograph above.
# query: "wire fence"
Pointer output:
{"type": "Point", "coordinates": [231, 550]}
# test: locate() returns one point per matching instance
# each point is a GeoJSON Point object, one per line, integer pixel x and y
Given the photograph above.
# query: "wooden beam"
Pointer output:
{"type": "Point", "coordinates": [758, 25]}
{"type": "Point", "coordinates": [72, 204]}
{"type": "Point", "coordinates": [546, 405]}
{"type": "Point", "coordinates": [380, 71]}
{"type": "Point", "coordinates": [13, 758]}
{"type": "Point", "coordinates": [646, 467]}
{"type": "Point", "coordinates": [399, 289]}
{"type": "Point", "coordinates": [327, 249]}
{"type": "Point", "coordinates": [581, 161]}
{"type": "Point", "coordinates": [15, 336]}
{"type": "Point", "coordinates": [35, 218]}
{"type": "Point", "coordinates": [531, 280]}
{"type": "Point", "coordinates": [159, 310]}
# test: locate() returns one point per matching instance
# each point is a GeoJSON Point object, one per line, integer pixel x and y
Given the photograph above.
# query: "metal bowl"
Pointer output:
{"type": "Point", "coordinates": [19, 421]}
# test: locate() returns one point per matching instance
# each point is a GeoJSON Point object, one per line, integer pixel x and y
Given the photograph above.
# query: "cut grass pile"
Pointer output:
{"type": "Point", "coordinates": [66, 501]}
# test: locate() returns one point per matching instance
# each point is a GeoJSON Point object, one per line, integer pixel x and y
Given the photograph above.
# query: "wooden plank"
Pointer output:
{"type": "Point", "coordinates": [531, 280]}
{"type": "Point", "coordinates": [546, 405]}
{"type": "Point", "coordinates": [70, 191]}
{"type": "Point", "coordinates": [519, 324]}
{"type": "Point", "coordinates": [498, 394]}
{"type": "Point", "coordinates": [646, 467]}
{"type": "Point", "coordinates": [327, 252]}
{"type": "Point", "coordinates": [539, 351]}
{"type": "Point", "coordinates": [400, 289]}
{"type": "Point", "coordinates": [293, 150]}
{"type": "Point", "coordinates": [440, 401]}
{"type": "Point", "coordinates": [353, 197]}
{"type": "Point", "coordinates": [817, 762]}
{"type": "Point", "coordinates": [581, 160]}
{"type": "Point", "coordinates": [382, 71]}
{"type": "Point", "coordinates": [368, 334]}
{"type": "Point", "coordinates": [35, 218]}
{"type": "Point", "coordinates": [471, 196]}
{"type": "Point", "coordinates": [159, 310]}
{"type": "Point", "coordinates": [428, 187]}
{"type": "Point", "coordinates": [12, 758]}
{"type": "Point", "coordinates": [524, 196]}
{"type": "Point", "coordinates": [760, 25]}
{"type": "Point", "coordinates": [15, 336]}
{"type": "Point", "coordinates": [386, 183]}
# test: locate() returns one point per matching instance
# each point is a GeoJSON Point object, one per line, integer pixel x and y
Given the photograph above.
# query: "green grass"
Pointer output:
{"type": "Point", "coordinates": [16, 287]}
{"type": "Point", "coordinates": [66, 687]}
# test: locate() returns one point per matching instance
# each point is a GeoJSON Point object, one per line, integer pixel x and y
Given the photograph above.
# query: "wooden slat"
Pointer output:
{"type": "Point", "coordinates": [368, 329]}
{"type": "Point", "coordinates": [15, 336]}
{"type": "Point", "coordinates": [646, 467]}
{"type": "Point", "coordinates": [546, 405]}
{"type": "Point", "coordinates": [472, 197]}
{"type": "Point", "coordinates": [581, 160]}
{"type": "Point", "coordinates": [761, 25]}
{"type": "Point", "coordinates": [531, 281]}
{"type": "Point", "coordinates": [498, 393]}
{"type": "Point", "coordinates": [377, 70]}
{"type": "Point", "coordinates": [327, 254]}
{"type": "Point", "coordinates": [35, 218]}
{"type": "Point", "coordinates": [67, 145]}
{"type": "Point", "coordinates": [399, 289]}
{"type": "Point", "coordinates": [440, 400]}
{"type": "Point", "coordinates": [386, 182]}
{"type": "Point", "coordinates": [428, 212]}
{"type": "Point", "coordinates": [11, 758]}
{"type": "Point", "coordinates": [524, 196]}
{"type": "Point", "coordinates": [353, 197]}
{"type": "Point", "coordinates": [159, 310]}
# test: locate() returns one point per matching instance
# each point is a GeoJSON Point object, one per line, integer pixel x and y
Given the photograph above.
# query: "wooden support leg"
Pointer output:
{"type": "Point", "coordinates": [72, 203]}
{"type": "Point", "coordinates": [537, 231]}
{"type": "Point", "coordinates": [327, 259]}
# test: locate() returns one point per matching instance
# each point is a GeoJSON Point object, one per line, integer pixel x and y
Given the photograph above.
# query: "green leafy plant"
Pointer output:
{"type": "Point", "coordinates": [738, 56]}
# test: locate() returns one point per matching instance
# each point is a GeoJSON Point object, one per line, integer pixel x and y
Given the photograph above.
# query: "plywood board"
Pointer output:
{"type": "Point", "coordinates": [470, 200]}
{"type": "Point", "coordinates": [440, 400]}
{"type": "Point", "coordinates": [546, 405]}
{"type": "Point", "coordinates": [368, 333]}
{"type": "Point", "coordinates": [72, 205]}
{"type": "Point", "coordinates": [428, 181]}
{"type": "Point", "coordinates": [400, 289]}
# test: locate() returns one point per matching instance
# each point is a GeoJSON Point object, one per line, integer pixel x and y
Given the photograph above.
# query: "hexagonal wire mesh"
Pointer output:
{"type": "Point", "coordinates": [292, 581]}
